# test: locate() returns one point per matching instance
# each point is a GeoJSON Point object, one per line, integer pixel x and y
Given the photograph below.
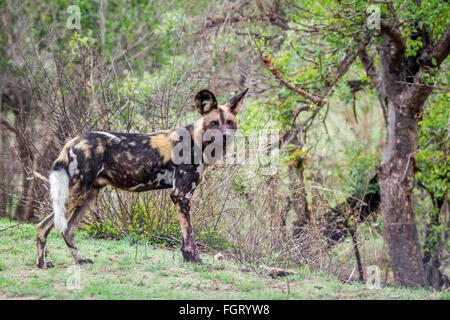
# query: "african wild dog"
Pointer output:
{"type": "Point", "coordinates": [137, 162]}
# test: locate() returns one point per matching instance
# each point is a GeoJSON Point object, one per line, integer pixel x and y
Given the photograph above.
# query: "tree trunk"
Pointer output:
{"type": "Point", "coordinates": [5, 184]}
{"type": "Point", "coordinates": [396, 175]}
{"type": "Point", "coordinates": [402, 89]}
{"type": "Point", "coordinates": [298, 193]}
{"type": "Point", "coordinates": [19, 101]}
{"type": "Point", "coordinates": [25, 208]}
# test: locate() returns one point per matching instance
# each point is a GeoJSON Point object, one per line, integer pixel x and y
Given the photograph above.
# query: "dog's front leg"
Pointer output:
{"type": "Point", "coordinates": [188, 244]}
{"type": "Point", "coordinates": [185, 182]}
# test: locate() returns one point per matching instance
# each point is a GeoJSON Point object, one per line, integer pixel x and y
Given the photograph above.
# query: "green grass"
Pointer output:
{"type": "Point", "coordinates": [156, 274]}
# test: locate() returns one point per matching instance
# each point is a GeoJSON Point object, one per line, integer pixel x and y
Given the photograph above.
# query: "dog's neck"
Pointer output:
{"type": "Point", "coordinates": [196, 131]}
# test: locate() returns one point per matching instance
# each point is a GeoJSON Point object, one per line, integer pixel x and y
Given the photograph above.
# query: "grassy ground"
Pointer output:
{"type": "Point", "coordinates": [118, 273]}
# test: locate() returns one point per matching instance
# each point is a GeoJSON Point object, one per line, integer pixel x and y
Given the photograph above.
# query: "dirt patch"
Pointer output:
{"type": "Point", "coordinates": [3, 296]}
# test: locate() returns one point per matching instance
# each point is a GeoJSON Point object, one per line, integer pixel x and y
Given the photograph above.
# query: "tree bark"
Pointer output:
{"type": "Point", "coordinates": [5, 184]}
{"type": "Point", "coordinates": [299, 201]}
{"type": "Point", "coordinates": [21, 109]}
{"type": "Point", "coordinates": [396, 175]}
{"type": "Point", "coordinates": [298, 192]}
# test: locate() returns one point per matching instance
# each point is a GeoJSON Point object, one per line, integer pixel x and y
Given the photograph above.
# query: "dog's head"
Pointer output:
{"type": "Point", "coordinates": [219, 122]}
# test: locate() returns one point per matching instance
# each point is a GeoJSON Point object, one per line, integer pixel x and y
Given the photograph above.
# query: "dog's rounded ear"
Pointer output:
{"type": "Point", "coordinates": [233, 104]}
{"type": "Point", "coordinates": [205, 101]}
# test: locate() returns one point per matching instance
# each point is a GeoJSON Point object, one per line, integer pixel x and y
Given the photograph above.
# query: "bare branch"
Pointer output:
{"type": "Point", "coordinates": [371, 71]}
{"type": "Point", "coordinates": [39, 176]}
{"type": "Point", "coordinates": [311, 97]}
{"type": "Point", "coordinates": [349, 57]}
{"type": "Point", "coordinates": [342, 67]}
{"type": "Point", "coordinates": [290, 135]}
{"type": "Point", "coordinates": [274, 16]}
{"type": "Point", "coordinates": [8, 125]}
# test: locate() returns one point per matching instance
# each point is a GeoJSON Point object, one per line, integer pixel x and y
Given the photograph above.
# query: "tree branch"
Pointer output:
{"type": "Point", "coordinates": [440, 51]}
{"type": "Point", "coordinates": [272, 18]}
{"type": "Point", "coordinates": [388, 28]}
{"type": "Point", "coordinates": [419, 91]}
{"type": "Point", "coordinates": [9, 126]}
{"type": "Point", "coordinates": [40, 176]}
{"type": "Point", "coordinates": [311, 97]}
{"type": "Point", "coordinates": [349, 57]}
{"type": "Point", "coordinates": [371, 71]}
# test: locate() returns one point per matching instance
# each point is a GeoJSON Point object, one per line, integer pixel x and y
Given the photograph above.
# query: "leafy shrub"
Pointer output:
{"type": "Point", "coordinates": [152, 219]}
{"type": "Point", "coordinates": [145, 221]}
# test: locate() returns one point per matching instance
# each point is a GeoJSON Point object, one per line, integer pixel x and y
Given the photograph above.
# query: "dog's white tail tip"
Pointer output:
{"type": "Point", "coordinates": [59, 192]}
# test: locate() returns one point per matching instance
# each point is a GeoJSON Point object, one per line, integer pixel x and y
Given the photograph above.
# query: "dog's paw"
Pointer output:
{"type": "Point", "coordinates": [45, 265]}
{"type": "Point", "coordinates": [85, 261]}
{"type": "Point", "coordinates": [192, 257]}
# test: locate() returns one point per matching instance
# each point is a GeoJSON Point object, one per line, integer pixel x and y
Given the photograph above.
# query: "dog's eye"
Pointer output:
{"type": "Point", "coordinates": [214, 123]}
{"type": "Point", "coordinates": [230, 123]}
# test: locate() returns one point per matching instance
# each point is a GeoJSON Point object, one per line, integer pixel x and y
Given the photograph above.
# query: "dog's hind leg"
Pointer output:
{"type": "Point", "coordinates": [43, 229]}
{"type": "Point", "coordinates": [80, 207]}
